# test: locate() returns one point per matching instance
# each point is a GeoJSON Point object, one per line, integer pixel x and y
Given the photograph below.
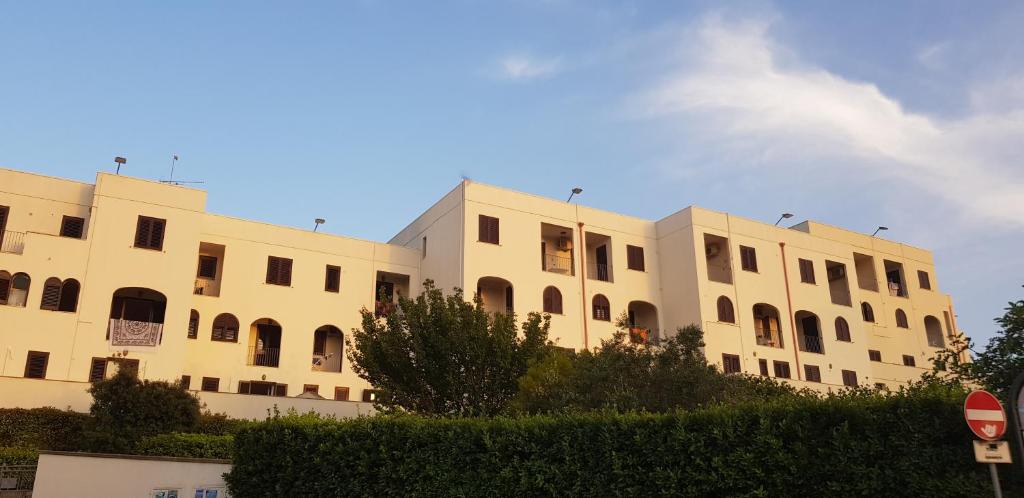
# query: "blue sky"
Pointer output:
{"type": "Point", "coordinates": [858, 114]}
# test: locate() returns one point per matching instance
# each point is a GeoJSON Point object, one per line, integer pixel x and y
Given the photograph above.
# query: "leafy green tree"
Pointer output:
{"type": "Point", "coordinates": [126, 410]}
{"type": "Point", "coordinates": [994, 368]}
{"type": "Point", "coordinates": [441, 355]}
{"type": "Point", "coordinates": [624, 376]}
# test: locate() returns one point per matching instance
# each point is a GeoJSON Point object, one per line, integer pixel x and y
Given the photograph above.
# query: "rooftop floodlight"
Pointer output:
{"type": "Point", "coordinates": [119, 160]}
{"type": "Point", "coordinates": [318, 221]}
{"type": "Point", "coordinates": [785, 216]}
{"type": "Point", "coordinates": [879, 229]}
{"type": "Point", "coordinates": [575, 191]}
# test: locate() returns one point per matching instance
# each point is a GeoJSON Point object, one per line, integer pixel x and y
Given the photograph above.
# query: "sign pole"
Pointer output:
{"type": "Point", "coordinates": [995, 480]}
{"type": "Point", "coordinates": [1015, 405]}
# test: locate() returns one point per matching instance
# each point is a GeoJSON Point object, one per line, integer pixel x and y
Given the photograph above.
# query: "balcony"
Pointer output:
{"type": "Point", "coordinates": [812, 344]}
{"type": "Point", "coordinates": [12, 242]}
{"type": "Point", "coordinates": [133, 333]}
{"type": "Point", "coordinates": [206, 287]}
{"type": "Point", "coordinates": [768, 341]}
{"type": "Point", "coordinates": [264, 357]}
{"type": "Point", "coordinates": [557, 264]}
{"type": "Point", "coordinates": [383, 308]}
{"type": "Point", "coordinates": [598, 271]}
{"type": "Point", "coordinates": [639, 335]}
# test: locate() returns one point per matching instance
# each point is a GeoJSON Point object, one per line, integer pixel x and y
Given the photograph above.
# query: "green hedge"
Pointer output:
{"type": "Point", "coordinates": [187, 445]}
{"type": "Point", "coordinates": [859, 445]}
{"type": "Point", "coordinates": [18, 456]}
{"type": "Point", "coordinates": [42, 428]}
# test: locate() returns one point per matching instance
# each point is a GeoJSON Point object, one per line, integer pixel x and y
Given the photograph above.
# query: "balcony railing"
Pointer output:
{"type": "Point", "coordinates": [264, 357]}
{"type": "Point", "coordinates": [557, 264]}
{"type": "Point", "coordinates": [771, 341]}
{"type": "Point", "coordinates": [12, 242]}
{"type": "Point", "coordinates": [813, 344]}
{"type": "Point", "coordinates": [598, 271]}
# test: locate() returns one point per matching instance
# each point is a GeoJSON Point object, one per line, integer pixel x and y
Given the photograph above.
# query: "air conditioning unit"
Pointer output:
{"type": "Point", "coordinates": [564, 243]}
{"type": "Point", "coordinates": [711, 250]}
{"type": "Point", "coordinates": [836, 273]}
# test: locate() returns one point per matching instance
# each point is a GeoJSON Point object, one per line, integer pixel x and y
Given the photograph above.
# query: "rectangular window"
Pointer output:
{"type": "Point", "coordinates": [193, 325]}
{"type": "Point", "coordinates": [311, 388]}
{"type": "Point", "coordinates": [207, 267]}
{"type": "Point", "coordinates": [849, 378]}
{"type": "Point", "coordinates": [781, 369]}
{"type": "Point", "coordinates": [186, 381]}
{"type": "Point", "coordinates": [635, 258]}
{"type": "Point", "coordinates": [488, 229]}
{"type": "Point", "coordinates": [762, 365]}
{"type": "Point", "coordinates": [909, 360]}
{"type": "Point", "coordinates": [812, 373]}
{"type": "Point", "coordinates": [35, 364]}
{"type": "Point", "coordinates": [279, 271]}
{"type": "Point", "coordinates": [424, 255]}
{"type": "Point", "coordinates": [369, 395]}
{"type": "Point", "coordinates": [748, 258]}
{"type": "Point", "coordinates": [98, 369]}
{"type": "Point", "coordinates": [923, 281]}
{"type": "Point", "coordinates": [806, 271]}
{"type": "Point", "coordinates": [332, 279]}
{"type": "Point", "coordinates": [874, 355]}
{"type": "Point", "coordinates": [341, 394]}
{"type": "Point", "coordinates": [72, 226]}
{"type": "Point", "coordinates": [211, 384]}
{"type": "Point", "coordinates": [730, 363]}
{"type": "Point", "coordinates": [149, 233]}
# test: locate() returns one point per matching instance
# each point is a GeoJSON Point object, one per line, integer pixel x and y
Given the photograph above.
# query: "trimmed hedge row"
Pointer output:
{"type": "Point", "coordinates": [187, 445]}
{"type": "Point", "coordinates": [42, 428]}
{"type": "Point", "coordinates": [858, 445]}
{"type": "Point", "coordinates": [18, 456]}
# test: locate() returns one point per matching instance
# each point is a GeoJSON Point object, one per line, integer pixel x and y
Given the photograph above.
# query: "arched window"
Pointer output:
{"type": "Point", "coordinates": [602, 309]}
{"type": "Point", "coordinates": [69, 295]}
{"type": "Point", "coordinates": [193, 324]}
{"type": "Point", "coordinates": [725, 311]}
{"type": "Point", "coordinates": [552, 300]}
{"type": "Point", "coordinates": [842, 330]}
{"type": "Point", "coordinates": [328, 349]}
{"type": "Point", "coordinates": [51, 294]}
{"type": "Point", "coordinates": [18, 295]}
{"type": "Point", "coordinates": [5, 286]}
{"type": "Point", "coordinates": [867, 312]}
{"type": "Point", "coordinates": [901, 319]}
{"type": "Point", "coordinates": [225, 328]}
{"type": "Point", "coordinates": [933, 332]}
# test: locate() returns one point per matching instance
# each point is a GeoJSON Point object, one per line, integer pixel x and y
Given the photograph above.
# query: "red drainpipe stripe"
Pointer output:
{"type": "Point", "coordinates": [792, 321]}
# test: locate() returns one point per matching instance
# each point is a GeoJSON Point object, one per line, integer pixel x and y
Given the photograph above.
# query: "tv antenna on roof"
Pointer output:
{"type": "Point", "coordinates": [174, 160]}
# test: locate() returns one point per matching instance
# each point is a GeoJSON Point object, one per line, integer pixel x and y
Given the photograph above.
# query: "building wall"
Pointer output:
{"type": "Point", "coordinates": [99, 476]}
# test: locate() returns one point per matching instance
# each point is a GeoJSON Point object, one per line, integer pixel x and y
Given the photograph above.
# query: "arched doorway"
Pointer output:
{"type": "Point", "coordinates": [808, 332]}
{"type": "Point", "coordinates": [933, 331]}
{"type": "Point", "coordinates": [643, 321]}
{"type": "Point", "coordinates": [328, 345]}
{"type": "Point", "coordinates": [496, 294]}
{"type": "Point", "coordinates": [766, 325]}
{"type": "Point", "coordinates": [265, 343]}
{"type": "Point", "coordinates": [136, 317]}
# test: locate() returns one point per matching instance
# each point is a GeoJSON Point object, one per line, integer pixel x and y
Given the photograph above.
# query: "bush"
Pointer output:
{"type": "Point", "coordinates": [41, 428]}
{"type": "Point", "coordinates": [911, 443]}
{"type": "Point", "coordinates": [186, 446]}
{"type": "Point", "coordinates": [218, 424]}
{"type": "Point", "coordinates": [126, 410]}
{"type": "Point", "coordinates": [18, 456]}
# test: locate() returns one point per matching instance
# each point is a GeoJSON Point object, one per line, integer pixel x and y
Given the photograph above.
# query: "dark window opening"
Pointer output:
{"type": "Point", "coordinates": [193, 324]}
{"type": "Point", "coordinates": [635, 258]}
{"type": "Point", "coordinates": [225, 328]}
{"type": "Point", "coordinates": [901, 319]}
{"type": "Point", "coordinates": [762, 364]}
{"type": "Point", "coordinates": [812, 373]}
{"type": "Point", "coordinates": [207, 267]}
{"type": "Point", "coordinates": [488, 229]}
{"type": "Point", "coordinates": [849, 378]}
{"type": "Point", "coordinates": [185, 382]}
{"type": "Point", "coordinates": [602, 308]}
{"type": "Point", "coordinates": [867, 312]}
{"type": "Point", "coordinates": [806, 271]}
{"type": "Point", "coordinates": [72, 226]}
{"type": "Point", "coordinates": [332, 279]}
{"type": "Point", "coordinates": [279, 271]}
{"type": "Point", "coordinates": [874, 355]}
{"type": "Point", "coordinates": [210, 384]}
{"type": "Point", "coordinates": [781, 369]}
{"type": "Point", "coordinates": [730, 363]}
{"type": "Point", "coordinates": [748, 258]}
{"type": "Point", "coordinates": [923, 281]}
{"type": "Point", "coordinates": [35, 364]}
{"type": "Point", "coordinates": [909, 360]}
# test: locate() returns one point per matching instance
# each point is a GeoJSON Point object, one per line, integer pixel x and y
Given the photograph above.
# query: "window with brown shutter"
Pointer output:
{"type": "Point", "coordinates": [225, 328]}
{"type": "Point", "coordinates": [602, 309]}
{"type": "Point", "coordinates": [279, 271]}
{"type": "Point", "coordinates": [186, 382]}
{"type": "Point", "coordinates": [35, 364]}
{"type": "Point", "coordinates": [867, 312]}
{"type": "Point", "coordinates": [730, 363]}
{"type": "Point", "coordinates": [311, 388]}
{"type": "Point", "coordinates": [149, 233]}
{"type": "Point", "coordinates": [98, 369]}
{"type": "Point", "coordinates": [207, 267]}
{"type": "Point", "coordinates": [901, 319]}
{"type": "Point", "coordinates": [341, 394]}
{"type": "Point", "coordinates": [849, 378]}
{"type": "Point", "coordinates": [488, 229]}
{"type": "Point", "coordinates": [812, 373]}
{"type": "Point", "coordinates": [69, 295]}
{"type": "Point", "coordinates": [842, 330]}
{"type": "Point", "coordinates": [72, 226]}
{"type": "Point", "coordinates": [748, 258]}
{"type": "Point", "coordinates": [909, 361]}
{"type": "Point", "coordinates": [725, 312]}
{"type": "Point", "coordinates": [193, 324]}
{"type": "Point", "coordinates": [5, 287]}
{"type": "Point", "coordinates": [211, 384]}
{"type": "Point", "coordinates": [806, 271]}
{"type": "Point", "coordinates": [552, 300]}
{"type": "Point", "coordinates": [369, 395]}
{"type": "Point", "coordinates": [923, 281]}
{"type": "Point", "coordinates": [874, 355]}
{"type": "Point", "coordinates": [762, 365]}
{"type": "Point", "coordinates": [781, 369]}
{"type": "Point", "coordinates": [51, 294]}
{"type": "Point", "coordinates": [332, 279]}
{"type": "Point", "coordinates": [635, 258]}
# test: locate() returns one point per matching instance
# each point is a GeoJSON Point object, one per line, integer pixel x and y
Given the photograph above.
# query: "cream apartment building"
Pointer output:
{"type": "Point", "coordinates": [252, 315]}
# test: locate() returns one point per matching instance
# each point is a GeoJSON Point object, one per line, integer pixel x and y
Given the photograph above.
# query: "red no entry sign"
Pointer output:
{"type": "Point", "coordinates": [985, 415]}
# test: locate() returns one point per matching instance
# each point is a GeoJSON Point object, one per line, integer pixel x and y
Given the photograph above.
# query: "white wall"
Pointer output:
{"type": "Point", "coordinates": [84, 475]}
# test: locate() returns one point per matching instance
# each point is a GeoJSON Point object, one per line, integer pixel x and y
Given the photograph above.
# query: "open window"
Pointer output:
{"type": "Point", "coordinates": [766, 325]}
{"type": "Point", "coordinates": [933, 332]}
{"type": "Point", "coordinates": [866, 278]}
{"type": "Point", "coordinates": [16, 289]}
{"type": "Point", "coordinates": [496, 295]}
{"type": "Point", "coordinates": [328, 346]}
{"type": "Point", "coordinates": [599, 257]}
{"type": "Point", "coordinates": [602, 308]}
{"type": "Point", "coordinates": [895, 279]}
{"type": "Point", "coordinates": [209, 269]}
{"type": "Point", "coordinates": [136, 317]}
{"type": "Point", "coordinates": [808, 332]}
{"type": "Point", "coordinates": [716, 253]}
{"type": "Point", "coordinates": [838, 283]}
{"type": "Point", "coordinates": [556, 249]}
{"type": "Point", "coordinates": [643, 322]}
{"type": "Point", "coordinates": [225, 328]}
{"type": "Point", "coordinates": [388, 288]}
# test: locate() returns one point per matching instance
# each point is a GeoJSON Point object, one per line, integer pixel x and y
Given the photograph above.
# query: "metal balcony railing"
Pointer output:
{"type": "Point", "coordinates": [557, 264]}
{"type": "Point", "coordinates": [264, 357]}
{"type": "Point", "coordinates": [596, 271]}
{"type": "Point", "coordinates": [12, 242]}
{"type": "Point", "coordinates": [812, 344]}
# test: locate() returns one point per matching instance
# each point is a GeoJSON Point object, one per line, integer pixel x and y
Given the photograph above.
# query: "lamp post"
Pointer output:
{"type": "Point", "coordinates": [318, 221]}
{"type": "Point", "coordinates": [879, 229]}
{"type": "Point", "coordinates": [785, 216]}
{"type": "Point", "coordinates": [575, 191]}
{"type": "Point", "coordinates": [119, 160]}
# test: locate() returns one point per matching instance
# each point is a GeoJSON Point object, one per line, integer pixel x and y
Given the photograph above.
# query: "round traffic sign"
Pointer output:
{"type": "Point", "coordinates": [985, 415]}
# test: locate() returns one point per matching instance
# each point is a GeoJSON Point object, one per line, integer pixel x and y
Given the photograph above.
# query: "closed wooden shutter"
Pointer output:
{"type": "Point", "coordinates": [812, 373]}
{"type": "Point", "coordinates": [149, 233]}
{"type": "Point", "coordinates": [909, 360]}
{"type": "Point", "coordinates": [98, 369]}
{"type": "Point", "coordinates": [72, 226]}
{"type": "Point", "coordinates": [332, 279]}
{"type": "Point", "coordinates": [842, 330]}
{"type": "Point", "coordinates": [762, 364]}
{"type": "Point", "coordinates": [281, 390]}
{"type": "Point", "coordinates": [186, 382]}
{"type": "Point", "coordinates": [279, 270]}
{"type": "Point", "coordinates": [725, 312]}
{"type": "Point", "coordinates": [874, 355]}
{"type": "Point", "coordinates": [207, 267]}
{"type": "Point", "coordinates": [849, 378]}
{"type": "Point", "coordinates": [748, 258]}
{"type": "Point", "coordinates": [806, 271]}
{"type": "Point", "coordinates": [635, 258]}
{"type": "Point", "coordinates": [552, 300]}
{"type": "Point", "coordinates": [781, 369]}
{"type": "Point", "coordinates": [341, 393]}
{"type": "Point", "coordinates": [35, 364]}
{"type": "Point", "coordinates": [730, 363]}
{"type": "Point", "coordinates": [311, 388]}
{"type": "Point", "coordinates": [193, 324]}
{"type": "Point", "coordinates": [923, 281]}
{"type": "Point", "coordinates": [3, 217]}
{"type": "Point", "coordinates": [212, 384]}
{"type": "Point", "coordinates": [51, 295]}
{"type": "Point", "coordinates": [488, 229]}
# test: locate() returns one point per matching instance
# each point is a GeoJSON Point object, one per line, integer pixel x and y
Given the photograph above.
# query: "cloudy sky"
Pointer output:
{"type": "Point", "coordinates": [858, 114]}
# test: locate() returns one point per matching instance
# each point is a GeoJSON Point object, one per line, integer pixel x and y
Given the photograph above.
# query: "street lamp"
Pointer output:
{"type": "Point", "coordinates": [575, 191]}
{"type": "Point", "coordinates": [785, 216]}
{"type": "Point", "coordinates": [318, 221]}
{"type": "Point", "coordinates": [879, 229]}
{"type": "Point", "coordinates": [119, 160]}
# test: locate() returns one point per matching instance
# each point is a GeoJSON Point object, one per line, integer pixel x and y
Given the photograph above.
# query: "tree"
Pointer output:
{"type": "Point", "coordinates": [624, 376]}
{"type": "Point", "coordinates": [994, 368]}
{"type": "Point", "coordinates": [441, 355]}
{"type": "Point", "coordinates": [125, 410]}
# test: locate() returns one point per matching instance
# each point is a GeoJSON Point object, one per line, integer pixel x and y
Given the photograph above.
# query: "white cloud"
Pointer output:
{"type": "Point", "coordinates": [751, 96]}
{"type": "Point", "coordinates": [521, 67]}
